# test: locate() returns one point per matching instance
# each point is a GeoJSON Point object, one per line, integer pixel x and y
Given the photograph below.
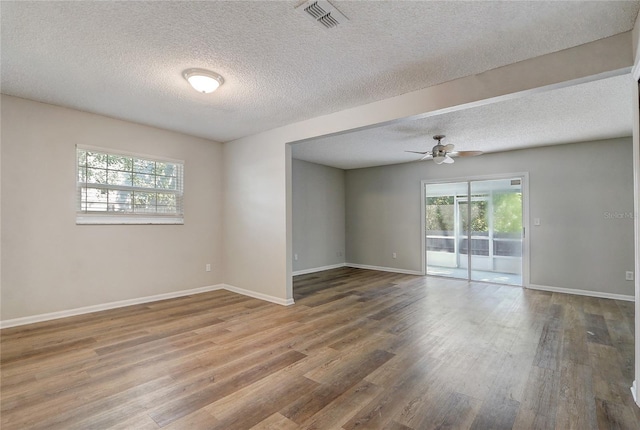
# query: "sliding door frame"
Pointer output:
{"type": "Point", "coordinates": [524, 176]}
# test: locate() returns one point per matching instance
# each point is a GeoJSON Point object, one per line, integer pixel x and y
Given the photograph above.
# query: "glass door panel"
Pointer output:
{"type": "Point", "coordinates": [442, 229]}
{"type": "Point", "coordinates": [496, 231]}
{"type": "Point", "coordinates": [479, 226]}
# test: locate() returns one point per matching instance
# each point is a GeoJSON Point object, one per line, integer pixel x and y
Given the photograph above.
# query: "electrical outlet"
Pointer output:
{"type": "Point", "coordinates": [536, 221]}
{"type": "Point", "coordinates": [394, 255]}
{"type": "Point", "coordinates": [207, 268]}
{"type": "Point", "coordinates": [295, 257]}
{"type": "Point", "coordinates": [628, 276]}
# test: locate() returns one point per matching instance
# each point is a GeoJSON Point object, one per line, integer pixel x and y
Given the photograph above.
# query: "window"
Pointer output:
{"type": "Point", "coordinates": [116, 188]}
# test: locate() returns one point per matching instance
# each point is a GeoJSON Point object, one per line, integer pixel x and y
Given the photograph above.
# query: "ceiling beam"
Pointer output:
{"type": "Point", "coordinates": [600, 59]}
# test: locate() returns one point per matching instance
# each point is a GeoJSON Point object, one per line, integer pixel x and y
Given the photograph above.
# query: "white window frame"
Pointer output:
{"type": "Point", "coordinates": [104, 217]}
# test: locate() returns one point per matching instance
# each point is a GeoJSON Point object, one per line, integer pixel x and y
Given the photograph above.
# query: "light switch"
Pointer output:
{"type": "Point", "coordinates": [536, 221]}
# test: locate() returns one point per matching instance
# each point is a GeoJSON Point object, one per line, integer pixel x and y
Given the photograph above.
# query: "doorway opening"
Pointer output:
{"type": "Point", "coordinates": [475, 229]}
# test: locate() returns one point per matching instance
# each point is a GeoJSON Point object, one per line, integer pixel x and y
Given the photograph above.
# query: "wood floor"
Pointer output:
{"type": "Point", "coordinates": [359, 350]}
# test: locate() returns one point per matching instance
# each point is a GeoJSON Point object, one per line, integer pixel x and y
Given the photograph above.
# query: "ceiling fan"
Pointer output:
{"type": "Point", "coordinates": [443, 153]}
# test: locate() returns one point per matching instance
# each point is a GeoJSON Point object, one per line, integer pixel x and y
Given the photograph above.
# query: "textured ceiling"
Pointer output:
{"type": "Point", "coordinates": [124, 59]}
{"type": "Point", "coordinates": [595, 110]}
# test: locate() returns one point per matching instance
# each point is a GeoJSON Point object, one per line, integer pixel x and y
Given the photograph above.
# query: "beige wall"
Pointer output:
{"type": "Point", "coordinates": [255, 217]}
{"type": "Point", "coordinates": [318, 215]}
{"type": "Point", "coordinates": [51, 264]}
{"type": "Point", "coordinates": [584, 202]}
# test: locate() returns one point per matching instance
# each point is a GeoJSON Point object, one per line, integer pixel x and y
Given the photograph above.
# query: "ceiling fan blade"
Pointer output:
{"type": "Point", "coordinates": [426, 157]}
{"type": "Point", "coordinates": [449, 147]}
{"type": "Point", "coordinates": [418, 152]}
{"type": "Point", "coordinates": [468, 153]}
{"type": "Point", "coordinates": [448, 160]}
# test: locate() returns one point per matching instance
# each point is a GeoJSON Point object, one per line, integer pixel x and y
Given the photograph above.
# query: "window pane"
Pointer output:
{"type": "Point", "coordinates": [507, 211]}
{"type": "Point", "coordinates": [96, 159]}
{"type": "Point", "coordinates": [441, 244]}
{"type": "Point", "coordinates": [119, 201]}
{"type": "Point", "coordinates": [144, 166]}
{"type": "Point", "coordinates": [479, 220]}
{"type": "Point", "coordinates": [96, 195]}
{"type": "Point", "coordinates": [505, 247]}
{"type": "Point", "coordinates": [94, 199]}
{"type": "Point", "coordinates": [119, 178]}
{"type": "Point", "coordinates": [166, 182]}
{"type": "Point", "coordinates": [166, 199]}
{"type": "Point", "coordinates": [118, 162]}
{"type": "Point", "coordinates": [82, 157]}
{"type": "Point", "coordinates": [96, 176]}
{"type": "Point", "coordinates": [82, 174]}
{"type": "Point", "coordinates": [165, 169]}
{"type": "Point", "coordinates": [145, 181]}
{"type": "Point", "coordinates": [440, 216]}
{"type": "Point", "coordinates": [144, 202]}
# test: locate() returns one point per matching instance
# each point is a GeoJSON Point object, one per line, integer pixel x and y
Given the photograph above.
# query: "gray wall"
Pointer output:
{"type": "Point", "coordinates": [582, 195]}
{"type": "Point", "coordinates": [318, 215]}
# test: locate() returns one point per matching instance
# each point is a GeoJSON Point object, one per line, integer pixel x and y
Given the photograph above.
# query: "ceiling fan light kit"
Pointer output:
{"type": "Point", "coordinates": [442, 153]}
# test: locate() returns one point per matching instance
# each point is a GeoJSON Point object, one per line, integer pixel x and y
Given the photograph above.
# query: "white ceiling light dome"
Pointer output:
{"type": "Point", "coordinates": [203, 81]}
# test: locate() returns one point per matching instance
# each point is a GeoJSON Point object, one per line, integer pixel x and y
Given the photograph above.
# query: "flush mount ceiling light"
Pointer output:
{"type": "Point", "coordinates": [203, 81]}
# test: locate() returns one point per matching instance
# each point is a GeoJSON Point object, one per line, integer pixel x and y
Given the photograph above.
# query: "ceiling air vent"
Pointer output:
{"type": "Point", "coordinates": [323, 12]}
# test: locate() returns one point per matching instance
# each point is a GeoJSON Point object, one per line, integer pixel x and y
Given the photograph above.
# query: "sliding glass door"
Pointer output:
{"type": "Point", "coordinates": [474, 230]}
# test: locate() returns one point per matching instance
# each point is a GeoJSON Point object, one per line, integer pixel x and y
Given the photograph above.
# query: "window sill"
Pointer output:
{"type": "Point", "coordinates": [127, 220]}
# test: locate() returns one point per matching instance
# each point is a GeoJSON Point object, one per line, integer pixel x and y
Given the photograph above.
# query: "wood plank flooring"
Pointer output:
{"type": "Point", "coordinates": [359, 350]}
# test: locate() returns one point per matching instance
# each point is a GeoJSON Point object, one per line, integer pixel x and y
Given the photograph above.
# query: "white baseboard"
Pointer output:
{"type": "Point", "coordinates": [634, 393]}
{"type": "Point", "coordinates": [384, 269]}
{"type": "Point", "coordinates": [105, 306]}
{"type": "Point", "coordinates": [122, 303]}
{"type": "Point", "coordinates": [255, 295]}
{"type": "Point", "coordinates": [318, 269]}
{"type": "Point", "coordinates": [598, 294]}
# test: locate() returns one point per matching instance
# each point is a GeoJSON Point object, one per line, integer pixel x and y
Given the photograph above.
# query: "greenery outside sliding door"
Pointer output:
{"type": "Point", "coordinates": [474, 230]}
